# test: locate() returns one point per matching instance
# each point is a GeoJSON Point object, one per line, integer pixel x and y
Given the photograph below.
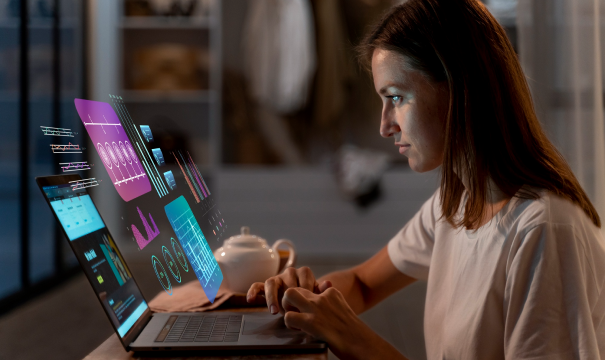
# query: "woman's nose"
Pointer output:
{"type": "Point", "coordinates": [388, 127]}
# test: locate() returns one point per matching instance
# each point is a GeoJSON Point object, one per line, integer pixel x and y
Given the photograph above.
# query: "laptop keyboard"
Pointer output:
{"type": "Point", "coordinates": [201, 328]}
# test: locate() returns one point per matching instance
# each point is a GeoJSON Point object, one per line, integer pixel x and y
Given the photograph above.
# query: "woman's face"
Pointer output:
{"type": "Point", "coordinates": [414, 109]}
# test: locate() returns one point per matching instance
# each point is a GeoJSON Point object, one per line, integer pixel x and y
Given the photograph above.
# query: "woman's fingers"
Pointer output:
{"type": "Point", "coordinates": [306, 280]}
{"type": "Point", "coordinates": [325, 285]}
{"type": "Point", "coordinates": [298, 321]}
{"type": "Point", "coordinates": [297, 299]}
{"type": "Point", "coordinates": [255, 290]}
{"type": "Point", "coordinates": [289, 277]}
{"type": "Point", "coordinates": [272, 287]}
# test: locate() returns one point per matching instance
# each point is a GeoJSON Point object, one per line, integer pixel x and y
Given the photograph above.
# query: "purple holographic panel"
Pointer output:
{"type": "Point", "coordinates": [113, 146]}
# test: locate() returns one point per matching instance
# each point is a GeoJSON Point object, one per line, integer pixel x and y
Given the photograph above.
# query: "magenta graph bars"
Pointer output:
{"type": "Point", "coordinates": [151, 233]}
{"type": "Point", "coordinates": [198, 172]}
{"type": "Point", "coordinates": [194, 177]}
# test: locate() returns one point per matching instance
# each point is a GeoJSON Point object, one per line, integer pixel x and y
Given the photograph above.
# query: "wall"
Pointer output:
{"type": "Point", "coordinates": [305, 206]}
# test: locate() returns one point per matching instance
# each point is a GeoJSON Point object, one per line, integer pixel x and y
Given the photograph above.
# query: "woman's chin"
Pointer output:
{"type": "Point", "coordinates": [420, 166]}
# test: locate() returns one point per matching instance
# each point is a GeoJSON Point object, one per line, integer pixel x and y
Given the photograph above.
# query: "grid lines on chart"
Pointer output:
{"type": "Point", "coordinates": [194, 244]}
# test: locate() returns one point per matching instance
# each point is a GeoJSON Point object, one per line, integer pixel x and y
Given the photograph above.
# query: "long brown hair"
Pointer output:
{"type": "Point", "coordinates": [491, 128]}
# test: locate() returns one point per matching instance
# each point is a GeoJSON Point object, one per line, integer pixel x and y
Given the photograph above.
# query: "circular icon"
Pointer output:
{"type": "Point", "coordinates": [133, 155]}
{"type": "Point", "coordinates": [104, 155]}
{"type": "Point", "coordinates": [180, 256]}
{"type": "Point", "coordinates": [160, 272]}
{"type": "Point", "coordinates": [125, 152]}
{"type": "Point", "coordinates": [113, 157]}
{"type": "Point", "coordinates": [171, 264]}
{"type": "Point", "coordinates": [116, 148]}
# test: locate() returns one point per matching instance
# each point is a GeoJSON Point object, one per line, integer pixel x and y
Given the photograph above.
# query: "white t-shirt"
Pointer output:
{"type": "Point", "coordinates": [527, 285]}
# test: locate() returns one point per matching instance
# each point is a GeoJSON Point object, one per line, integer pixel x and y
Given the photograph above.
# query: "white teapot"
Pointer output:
{"type": "Point", "coordinates": [246, 259]}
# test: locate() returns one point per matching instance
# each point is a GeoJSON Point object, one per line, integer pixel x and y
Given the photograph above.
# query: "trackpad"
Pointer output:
{"type": "Point", "coordinates": [275, 327]}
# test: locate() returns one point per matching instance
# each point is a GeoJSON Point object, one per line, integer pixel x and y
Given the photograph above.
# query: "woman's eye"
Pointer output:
{"type": "Point", "coordinates": [394, 98]}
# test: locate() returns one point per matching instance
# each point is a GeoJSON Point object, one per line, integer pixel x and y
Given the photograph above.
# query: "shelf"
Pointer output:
{"type": "Point", "coordinates": [182, 96]}
{"type": "Point", "coordinates": [161, 22]}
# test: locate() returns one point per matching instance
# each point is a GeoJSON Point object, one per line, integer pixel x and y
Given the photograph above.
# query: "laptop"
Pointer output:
{"type": "Point", "coordinates": [114, 284]}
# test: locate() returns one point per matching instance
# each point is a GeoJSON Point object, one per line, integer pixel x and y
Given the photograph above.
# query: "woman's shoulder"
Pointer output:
{"type": "Point", "coordinates": [547, 209]}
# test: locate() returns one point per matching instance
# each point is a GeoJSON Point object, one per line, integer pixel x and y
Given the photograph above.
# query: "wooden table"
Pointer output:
{"type": "Point", "coordinates": [112, 349]}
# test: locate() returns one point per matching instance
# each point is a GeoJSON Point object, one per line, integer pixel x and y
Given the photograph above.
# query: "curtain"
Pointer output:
{"type": "Point", "coordinates": [562, 48]}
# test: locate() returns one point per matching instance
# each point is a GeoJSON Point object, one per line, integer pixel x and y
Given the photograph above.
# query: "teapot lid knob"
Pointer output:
{"type": "Point", "coordinates": [245, 230]}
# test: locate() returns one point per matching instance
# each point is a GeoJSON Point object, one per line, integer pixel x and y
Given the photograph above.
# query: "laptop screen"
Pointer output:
{"type": "Point", "coordinates": [102, 261]}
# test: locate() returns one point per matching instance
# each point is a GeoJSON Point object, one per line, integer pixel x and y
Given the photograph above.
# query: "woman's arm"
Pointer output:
{"type": "Point", "coordinates": [367, 284]}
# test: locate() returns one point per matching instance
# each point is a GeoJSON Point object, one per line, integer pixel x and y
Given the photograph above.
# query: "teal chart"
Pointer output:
{"type": "Point", "coordinates": [195, 246]}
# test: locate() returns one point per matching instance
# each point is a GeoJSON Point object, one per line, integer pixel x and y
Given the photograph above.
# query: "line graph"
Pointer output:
{"type": "Point", "coordinates": [53, 131]}
{"type": "Point", "coordinates": [139, 145]}
{"type": "Point", "coordinates": [84, 183]}
{"type": "Point", "coordinates": [75, 166]}
{"type": "Point", "coordinates": [195, 246]}
{"type": "Point", "coordinates": [192, 164]}
{"type": "Point", "coordinates": [65, 149]}
{"type": "Point", "coordinates": [114, 147]}
{"type": "Point", "coordinates": [197, 198]}
{"type": "Point", "coordinates": [192, 175]}
{"type": "Point", "coordinates": [152, 233]}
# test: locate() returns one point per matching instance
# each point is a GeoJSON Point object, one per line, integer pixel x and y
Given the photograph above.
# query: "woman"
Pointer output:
{"type": "Point", "coordinates": [510, 244]}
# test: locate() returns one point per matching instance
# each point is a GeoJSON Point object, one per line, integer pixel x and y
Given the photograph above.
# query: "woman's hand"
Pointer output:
{"type": "Point", "coordinates": [274, 288]}
{"type": "Point", "coordinates": [328, 317]}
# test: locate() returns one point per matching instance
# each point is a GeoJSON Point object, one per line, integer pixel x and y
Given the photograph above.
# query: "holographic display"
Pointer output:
{"type": "Point", "coordinates": [147, 133]}
{"type": "Point", "coordinates": [114, 148]}
{"type": "Point", "coordinates": [75, 166]}
{"type": "Point", "coordinates": [84, 183]}
{"type": "Point", "coordinates": [152, 233]}
{"type": "Point", "coordinates": [218, 223]}
{"type": "Point", "coordinates": [193, 176]}
{"type": "Point", "coordinates": [180, 256]}
{"type": "Point", "coordinates": [53, 131]}
{"type": "Point", "coordinates": [171, 264]}
{"type": "Point", "coordinates": [195, 246]}
{"type": "Point", "coordinates": [139, 145]}
{"type": "Point", "coordinates": [160, 272]}
{"type": "Point", "coordinates": [66, 149]}
{"type": "Point", "coordinates": [169, 176]}
{"type": "Point", "coordinates": [159, 157]}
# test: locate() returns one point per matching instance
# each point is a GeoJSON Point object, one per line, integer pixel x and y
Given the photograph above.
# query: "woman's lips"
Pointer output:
{"type": "Point", "coordinates": [403, 148]}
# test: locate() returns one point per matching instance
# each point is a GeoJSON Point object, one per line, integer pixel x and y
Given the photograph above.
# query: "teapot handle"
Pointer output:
{"type": "Point", "coordinates": [291, 257]}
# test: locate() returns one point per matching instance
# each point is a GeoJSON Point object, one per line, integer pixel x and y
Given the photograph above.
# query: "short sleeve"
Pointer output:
{"type": "Point", "coordinates": [553, 301]}
{"type": "Point", "coordinates": [411, 249]}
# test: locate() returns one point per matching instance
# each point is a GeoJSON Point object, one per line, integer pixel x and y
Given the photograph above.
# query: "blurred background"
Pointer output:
{"type": "Point", "coordinates": [268, 97]}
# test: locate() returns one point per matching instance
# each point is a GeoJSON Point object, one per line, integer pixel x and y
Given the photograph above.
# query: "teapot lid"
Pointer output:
{"type": "Point", "coordinates": [245, 238]}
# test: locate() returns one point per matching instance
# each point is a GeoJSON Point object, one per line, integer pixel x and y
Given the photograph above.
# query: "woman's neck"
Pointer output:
{"type": "Point", "coordinates": [496, 200]}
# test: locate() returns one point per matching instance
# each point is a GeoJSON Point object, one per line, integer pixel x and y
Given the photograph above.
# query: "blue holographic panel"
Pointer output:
{"type": "Point", "coordinates": [147, 133]}
{"type": "Point", "coordinates": [170, 180]}
{"type": "Point", "coordinates": [159, 157]}
{"type": "Point", "coordinates": [195, 246]}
